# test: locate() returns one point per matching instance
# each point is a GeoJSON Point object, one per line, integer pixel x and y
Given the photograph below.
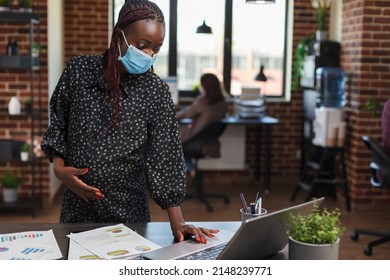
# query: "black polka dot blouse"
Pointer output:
{"type": "Point", "coordinates": [144, 155]}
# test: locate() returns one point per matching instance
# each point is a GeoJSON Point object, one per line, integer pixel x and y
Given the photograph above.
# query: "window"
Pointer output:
{"type": "Point", "coordinates": [244, 38]}
{"type": "Point", "coordinates": [258, 37]}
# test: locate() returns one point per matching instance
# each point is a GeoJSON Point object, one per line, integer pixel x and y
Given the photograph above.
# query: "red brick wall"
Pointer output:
{"type": "Point", "coordinates": [366, 59]}
{"type": "Point", "coordinates": [86, 27]}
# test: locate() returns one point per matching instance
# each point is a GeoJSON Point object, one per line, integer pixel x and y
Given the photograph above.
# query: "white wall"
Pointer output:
{"type": "Point", "coordinates": [55, 45]}
{"type": "Point", "coordinates": [335, 21]}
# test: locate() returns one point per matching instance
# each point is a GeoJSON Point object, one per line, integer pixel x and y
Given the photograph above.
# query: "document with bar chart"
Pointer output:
{"type": "Point", "coordinates": [38, 245]}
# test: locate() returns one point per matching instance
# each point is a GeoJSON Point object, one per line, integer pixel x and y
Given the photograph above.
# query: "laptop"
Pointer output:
{"type": "Point", "coordinates": [257, 238]}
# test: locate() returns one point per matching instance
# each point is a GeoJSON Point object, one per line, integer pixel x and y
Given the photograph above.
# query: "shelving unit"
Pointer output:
{"type": "Point", "coordinates": [29, 63]}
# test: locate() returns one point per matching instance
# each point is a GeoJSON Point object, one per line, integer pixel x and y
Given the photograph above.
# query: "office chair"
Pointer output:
{"type": "Point", "coordinates": [380, 165]}
{"type": "Point", "coordinates": [204, 144]}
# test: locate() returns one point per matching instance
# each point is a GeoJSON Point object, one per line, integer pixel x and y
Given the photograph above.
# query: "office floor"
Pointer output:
{"type": "Point", "coordinates": [363, 216]}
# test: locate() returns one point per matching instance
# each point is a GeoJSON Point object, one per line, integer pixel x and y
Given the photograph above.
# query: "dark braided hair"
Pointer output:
{"type": "Point", "coordinates": [131, 11]}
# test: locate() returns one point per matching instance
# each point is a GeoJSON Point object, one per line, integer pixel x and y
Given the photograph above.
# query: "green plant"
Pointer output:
{"type": "Point", "coordinates": [322, 7]}
{"type": "Point", "coordinates": [373, 107]}
{"type": "Point", "coordinates": [25, 4]}
{"type": "Point", "coordinates": [301, 52]}
{"type": "Point", "coordinates": [4, 3]}
{"type": "Point", "coordinates": [27, 102]}
{"type": "Point", "coordinates": [319, 227]}
{"type": "Point", "coordinates": [10, 180]}
{"type": "Point", "coordinates": [25, 147]}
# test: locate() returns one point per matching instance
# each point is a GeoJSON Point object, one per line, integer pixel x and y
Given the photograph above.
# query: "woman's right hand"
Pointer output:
{"type": "Point", "coordinates": [69, 176]}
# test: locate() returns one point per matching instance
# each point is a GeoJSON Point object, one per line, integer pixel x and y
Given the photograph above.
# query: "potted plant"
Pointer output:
{"type": "Point", "coordinates": [25, 152]}
{"type": "Point", "coordinates": [5, 5]}
{"type": "Point", "coordinates": [29, 106]}
{"type": "Point", "coordinates": [322, 8]}
{"type": "Point", "coordinates": [10, 182]}
{"type": "Point", "coordinates": [302, 50]}
{"type": "Point", "coordinates": [315, 236]}
{"type": "Point", "coordinates": [25, 6]}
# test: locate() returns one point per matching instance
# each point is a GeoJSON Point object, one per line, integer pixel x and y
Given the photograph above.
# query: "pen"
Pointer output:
{"type": "Point", "coordinates": [243, 202]}
{"type": "Point", "coordinates": [257, 197]}
{"type": "Point", "coordinates": [258, 205]}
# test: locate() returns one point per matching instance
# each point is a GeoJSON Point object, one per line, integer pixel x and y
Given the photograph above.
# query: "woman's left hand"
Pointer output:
{"type": "Point", "coordinates": [199, 233]}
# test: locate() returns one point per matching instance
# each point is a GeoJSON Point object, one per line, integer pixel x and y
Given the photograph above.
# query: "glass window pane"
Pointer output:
{"type": "Point", "coordinates": [199, 53]}
{"type": "Point", "coordinates": [258, 39]}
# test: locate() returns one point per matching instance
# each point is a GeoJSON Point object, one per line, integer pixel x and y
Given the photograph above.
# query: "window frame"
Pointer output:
{"type": "Point", "coordinates": [227, 52]}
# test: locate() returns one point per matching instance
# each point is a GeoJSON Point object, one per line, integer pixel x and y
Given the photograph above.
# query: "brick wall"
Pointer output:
{"type": "Point", "coordinates": [365, 57]}
{"type": "Point", "coordinates": [86, 27]}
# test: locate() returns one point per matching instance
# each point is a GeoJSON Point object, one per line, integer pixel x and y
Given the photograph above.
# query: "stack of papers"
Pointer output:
{"type": "Point", "coordinates": [29, 245]}
{"type": "Point", "coordinates": [111, 242]}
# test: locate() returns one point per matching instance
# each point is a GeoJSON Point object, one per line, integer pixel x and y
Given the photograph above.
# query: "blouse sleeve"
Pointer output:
{"type": "Point", "coordinates": [166, 169]}
{"type": "Point", "coordinates": [190, 112]}
{"type": "Point", "coordinates": [54, 140]}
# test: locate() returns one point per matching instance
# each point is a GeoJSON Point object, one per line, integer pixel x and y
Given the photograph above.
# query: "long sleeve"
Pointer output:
{"type": "Point", "coordinates": [54, 140]}
{"type": "Point", "coordinates": [191, 112]}
{"type": "Point", "coordinates": [165, 163]}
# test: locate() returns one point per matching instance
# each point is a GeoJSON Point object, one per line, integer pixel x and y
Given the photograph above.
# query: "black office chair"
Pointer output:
{"type": "Point", "coordinates": [204, 144]}
{"type": "Point", "coordinates": [380, 165]}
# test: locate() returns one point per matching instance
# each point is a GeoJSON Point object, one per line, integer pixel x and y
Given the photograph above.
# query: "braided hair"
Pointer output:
{"type": "Point", "coordinates": [131, 11]}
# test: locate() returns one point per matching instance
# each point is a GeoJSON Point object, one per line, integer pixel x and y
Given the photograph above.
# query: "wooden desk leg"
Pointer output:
{"type": "Point", "coordinates": [267, 170]}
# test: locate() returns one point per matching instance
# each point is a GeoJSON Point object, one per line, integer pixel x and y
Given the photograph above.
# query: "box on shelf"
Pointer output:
{"type": "Point", "coordinates": [10, 149]}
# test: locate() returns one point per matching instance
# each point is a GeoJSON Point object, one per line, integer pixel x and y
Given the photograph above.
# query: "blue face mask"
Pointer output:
{"type": "Point", "coordinates": [135, 61]}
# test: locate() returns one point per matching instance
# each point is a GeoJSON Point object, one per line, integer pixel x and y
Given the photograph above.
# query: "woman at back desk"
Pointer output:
{"type": "Point", "coordinates": [210, 106]}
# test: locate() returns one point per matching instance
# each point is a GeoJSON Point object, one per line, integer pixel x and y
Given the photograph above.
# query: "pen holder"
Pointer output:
{"type": "Point", "coordinates": [249, 215]}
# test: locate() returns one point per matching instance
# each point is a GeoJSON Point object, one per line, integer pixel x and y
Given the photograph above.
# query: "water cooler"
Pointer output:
{"type": "Point", "coordinates": [328, 124]}
{"type": "Point", "coordinates": [324, 169]}
{"type": "Point", "coordinates": [322, 55]}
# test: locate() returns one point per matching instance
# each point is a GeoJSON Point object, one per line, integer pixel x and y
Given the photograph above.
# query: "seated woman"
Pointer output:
{"type": "Point", "coordinates": [386, 127]}
{"type": "Point", "coordinates": [377, 177]}
{"type": "Point", "coordinates": [210, 106]}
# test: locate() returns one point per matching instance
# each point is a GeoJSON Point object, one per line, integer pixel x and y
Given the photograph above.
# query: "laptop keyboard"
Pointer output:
{"type": "Point", "coordinates": [206, 254]}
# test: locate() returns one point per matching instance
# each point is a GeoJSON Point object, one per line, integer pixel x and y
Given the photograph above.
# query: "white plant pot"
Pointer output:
{"type": "Point", "coordinates": [14, 107]}
{"type": "Point", "coordinates": [24, 156]}
{"type": "Point", "coordinates": [321, 35]}
{"type": "Point", "coordinates": [10, 195]}
{"type": "Point", "coordinates": [306, 251]}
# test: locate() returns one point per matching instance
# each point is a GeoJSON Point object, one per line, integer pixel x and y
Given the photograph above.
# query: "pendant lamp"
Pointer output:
{"type": "Point", "coordinates": [260, 76]}
{"type": "Point", "coordinates": [260, 2]}
{"type": "Point", "coordinates": [204, 29]}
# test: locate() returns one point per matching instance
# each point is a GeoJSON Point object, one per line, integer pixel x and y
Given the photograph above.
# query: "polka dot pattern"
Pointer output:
{"type": "Point", "coordinates": [143, 155]}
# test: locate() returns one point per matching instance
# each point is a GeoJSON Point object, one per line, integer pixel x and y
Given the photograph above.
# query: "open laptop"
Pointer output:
{"type": "Point", "coordinates": [257, 238]}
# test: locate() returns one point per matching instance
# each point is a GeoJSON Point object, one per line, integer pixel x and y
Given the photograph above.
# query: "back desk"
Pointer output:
{"type": "Point", "coordinates": [262, 124]}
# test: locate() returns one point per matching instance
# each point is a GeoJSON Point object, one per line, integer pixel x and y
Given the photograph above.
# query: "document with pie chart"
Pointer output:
{"type": "Point", "coordinates": [110, 242]}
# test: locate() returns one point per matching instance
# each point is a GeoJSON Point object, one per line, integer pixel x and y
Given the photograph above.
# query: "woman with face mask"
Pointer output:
{"type": "Point", "coordinates": [113, 133]}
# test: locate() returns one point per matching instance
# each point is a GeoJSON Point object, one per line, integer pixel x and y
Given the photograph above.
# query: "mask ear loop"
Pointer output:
{"type": "Point", "coordinates": [119, 48]}
{"type": "Point", "coordinates": [120, 54]}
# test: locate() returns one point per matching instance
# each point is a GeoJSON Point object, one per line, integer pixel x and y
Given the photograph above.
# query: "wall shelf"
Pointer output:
{"type": "Point", "coordinates": [9, 148]}
{"type": "Point", "coordinates": [23, 62]}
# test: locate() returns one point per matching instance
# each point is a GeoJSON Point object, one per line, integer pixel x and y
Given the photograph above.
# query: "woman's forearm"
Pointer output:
{"type": "Point", "coordinates": [175, 216]}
